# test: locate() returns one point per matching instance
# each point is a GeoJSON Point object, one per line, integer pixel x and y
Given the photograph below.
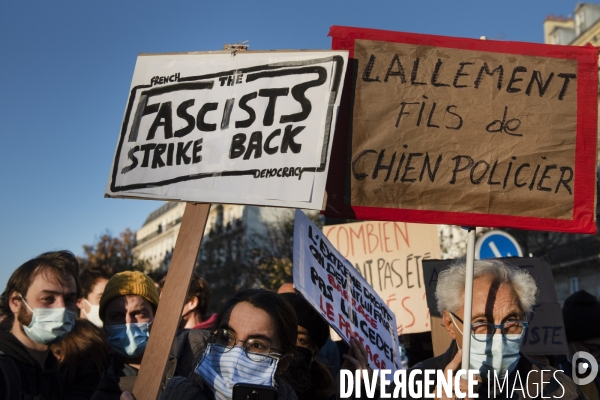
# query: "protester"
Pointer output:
{"type": "Point", "coordinates": [581, 315]}
{"type": "Point", "coordinates": [93, 281]}
{"type": "Point", "coordinates": [197, 301]}
{"type": "Point", "coordinates": [83, 356]}
{"type": "Point", "coordinates": [40, 304]}
{"type": "Point", "coordinates": [502, 297]}
{"type": "Point", "coordinates": [313, 332]}
{"type": "Point", "coordinates": [255, 343]}
{"type": "Point", "coordinates": [267, 327]}
{"type": "Point", "coordinates": [312, 335]}
{"type": "Point", "coordinates": [329, 355]}
{"type": "Point", "coordinates": [127, 308]}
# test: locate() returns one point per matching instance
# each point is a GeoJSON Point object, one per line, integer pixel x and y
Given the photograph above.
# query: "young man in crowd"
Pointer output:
{"type": "Point", "coordinates": [93, 281]}
{"type": "Point", "coordinates": [39, 306]}
{"type": "Point", "coordinates": [195, 309]}
{"type": "Point", "coordinates": [127, 308]}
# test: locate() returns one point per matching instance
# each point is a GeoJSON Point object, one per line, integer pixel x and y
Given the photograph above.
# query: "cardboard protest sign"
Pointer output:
{"type": "Point", "coordinates": [250, 128]}
{"type": "Point", "coordinates": [389, 256]}
{"type": "Point", "coordinates": [545, 334]}
{"type": "Point", "coordinates": [342, 296]}
{"type": "Point", "coordinates": [466, 132]}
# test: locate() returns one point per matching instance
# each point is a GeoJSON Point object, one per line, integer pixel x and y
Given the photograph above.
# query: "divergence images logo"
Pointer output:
{"type": "Point", "coordinates": [584, 364]}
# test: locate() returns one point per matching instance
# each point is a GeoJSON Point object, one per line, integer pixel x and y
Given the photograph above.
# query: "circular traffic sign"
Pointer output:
{"type": "Point", "coordinates": [495, 244]}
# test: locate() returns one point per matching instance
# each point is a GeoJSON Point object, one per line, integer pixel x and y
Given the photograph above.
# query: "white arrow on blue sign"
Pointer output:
{"type": "Point", "coordinates": [494, 244]}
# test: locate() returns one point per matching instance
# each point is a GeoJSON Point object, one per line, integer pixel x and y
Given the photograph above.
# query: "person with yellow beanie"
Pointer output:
{"type": "Point", "coordinates": [127, 308]}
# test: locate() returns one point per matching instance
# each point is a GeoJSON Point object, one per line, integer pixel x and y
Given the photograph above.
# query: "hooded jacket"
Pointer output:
{"type": "Point", "coordinates": [22, 377]}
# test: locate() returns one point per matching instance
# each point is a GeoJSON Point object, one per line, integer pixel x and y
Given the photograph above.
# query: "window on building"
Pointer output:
{"type": "Point", "coordinates": [220, 216]}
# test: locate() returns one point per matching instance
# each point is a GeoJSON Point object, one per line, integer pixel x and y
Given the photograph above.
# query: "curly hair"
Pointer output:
{"type": "Point", "coordinates": [451, 283]}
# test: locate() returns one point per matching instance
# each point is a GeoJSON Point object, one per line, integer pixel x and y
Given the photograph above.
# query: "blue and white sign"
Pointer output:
{"type": "Point", "coordinates": [494, 244]}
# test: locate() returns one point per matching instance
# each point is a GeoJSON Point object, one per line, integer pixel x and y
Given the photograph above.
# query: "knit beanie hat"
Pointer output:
{"type": "Point", "coordinates": [581, 314]}
{"type": "Point", "coordinates": [128, 283]}
{"type": "Point", "coordinates": [309, 319]}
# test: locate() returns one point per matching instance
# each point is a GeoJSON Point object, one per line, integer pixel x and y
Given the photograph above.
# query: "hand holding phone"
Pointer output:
{"type": "Point", "coordinates": [247, 391]}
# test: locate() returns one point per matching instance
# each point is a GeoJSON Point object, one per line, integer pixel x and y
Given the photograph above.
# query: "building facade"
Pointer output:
{"type": "Point", "coordinates": [575, 259]}
{"type": "Point", "coordinates": [579, 30]}
{"type": "Point", "coordinates": [156, 238]}
{"type": "Point", "coordinates": [237, 224]}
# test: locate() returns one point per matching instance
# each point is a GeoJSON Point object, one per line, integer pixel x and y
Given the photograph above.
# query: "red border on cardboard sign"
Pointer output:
{"type": "Point", "coordinates": [583, 219]}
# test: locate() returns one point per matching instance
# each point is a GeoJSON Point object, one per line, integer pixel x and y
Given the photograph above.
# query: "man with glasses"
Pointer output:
{"type": "Point", "coordinates": [503, 296]}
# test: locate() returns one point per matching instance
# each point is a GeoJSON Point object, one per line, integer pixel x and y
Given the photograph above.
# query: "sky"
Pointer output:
{"type": "Point", "coordinates": [66, 68]}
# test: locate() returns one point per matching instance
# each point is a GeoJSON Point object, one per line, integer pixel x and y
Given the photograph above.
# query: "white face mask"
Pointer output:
{"type": "Point", "coordinates": [221, 370]}
{"type": "Point", "coordinates": [49, 325]}
{"type": "Point", "coordinates": [94, 315]}
{"type": "Point", "coordinates": [498, 353]}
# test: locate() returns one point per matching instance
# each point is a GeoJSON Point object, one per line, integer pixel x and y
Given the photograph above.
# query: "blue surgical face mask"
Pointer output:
{"type": "Point", "coordinates": [49, 325]}
{"type": "Point", "coordinates": [496, 352]}
{"type": "Point", "coordinates": [221, 370]}
{"type": "Point", "coordinates": [129, 340]}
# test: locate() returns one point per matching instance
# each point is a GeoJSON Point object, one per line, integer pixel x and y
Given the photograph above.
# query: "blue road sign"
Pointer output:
{"type": "Point", "coordinates": [494, 244]}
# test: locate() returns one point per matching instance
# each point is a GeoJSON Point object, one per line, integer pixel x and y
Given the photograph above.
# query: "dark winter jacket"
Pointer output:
{"type": "Point", "coordinates": [189, 344]}
{"type": "Point", "coordinates": [22, 377]}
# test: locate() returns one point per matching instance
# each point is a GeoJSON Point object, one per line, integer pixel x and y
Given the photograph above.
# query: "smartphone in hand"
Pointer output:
{"type": "Point", "coordinates": [247, 391]}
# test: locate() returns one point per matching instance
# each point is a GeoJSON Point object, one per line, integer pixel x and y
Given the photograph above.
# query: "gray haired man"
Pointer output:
{"type": "Point", "coordinates": [503, 295]}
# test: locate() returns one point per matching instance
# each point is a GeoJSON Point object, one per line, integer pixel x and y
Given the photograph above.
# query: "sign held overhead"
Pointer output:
{"type": "Point", "coordinates": [466, 132]}
{"type": "Point", "coordinates": [389, 255]}
{"type": "Point", "coordinates": [254, 128]}
{"type": "Point", "coordinates": [334, 288]}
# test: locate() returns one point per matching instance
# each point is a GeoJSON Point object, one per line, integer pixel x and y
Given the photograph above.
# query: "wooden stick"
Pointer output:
{"type": "Point", "coordinates": [167, 318]}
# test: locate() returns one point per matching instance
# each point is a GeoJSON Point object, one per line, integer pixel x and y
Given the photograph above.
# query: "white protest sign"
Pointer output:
{"type": "Point", "coordinates": [389, 255]}
{"type": "Point", "coordinates": [250, 128]}
{"type": "Point", "coordinates": [332, 285]}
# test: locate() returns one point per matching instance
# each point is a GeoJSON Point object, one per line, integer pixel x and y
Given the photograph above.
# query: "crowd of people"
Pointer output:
{"type": "Point", "coordinates": [71, 334]}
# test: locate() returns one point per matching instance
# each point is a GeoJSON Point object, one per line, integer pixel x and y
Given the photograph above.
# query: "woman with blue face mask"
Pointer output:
{"type": "Point", "coordinates": [255, 343]}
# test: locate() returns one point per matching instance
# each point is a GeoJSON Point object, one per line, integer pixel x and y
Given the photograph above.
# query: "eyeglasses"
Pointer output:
{"type": "Point", "coordinates": [256, 349]}
{"type": "Point", "coordinates": [483, 331]}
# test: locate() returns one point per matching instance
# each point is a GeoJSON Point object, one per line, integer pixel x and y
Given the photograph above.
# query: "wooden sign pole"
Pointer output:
{"type": "Point", "coordinates": [167, 317]}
